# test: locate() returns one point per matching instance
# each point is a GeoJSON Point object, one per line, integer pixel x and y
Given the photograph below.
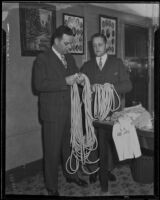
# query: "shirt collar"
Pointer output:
{"type": "Point", "coordinates": [56, 52]}
{"type": "Point", "coordinates": [104, 57]}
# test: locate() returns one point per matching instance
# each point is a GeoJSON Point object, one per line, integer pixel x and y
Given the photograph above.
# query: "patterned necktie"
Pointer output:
{"type": "Point", "coordinates": [63, 59]}
{"type": "Point", "coordinates": [100, 63]}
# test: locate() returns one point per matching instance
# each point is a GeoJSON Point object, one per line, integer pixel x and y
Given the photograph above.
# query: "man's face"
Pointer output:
{"type": "Point", "coordinates": [99, 46]}
{"type": "Point", "coordinates": [64, 44]}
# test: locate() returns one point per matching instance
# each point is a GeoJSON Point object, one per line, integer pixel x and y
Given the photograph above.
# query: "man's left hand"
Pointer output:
{"type": "Point", "coordinates": [80, 79]}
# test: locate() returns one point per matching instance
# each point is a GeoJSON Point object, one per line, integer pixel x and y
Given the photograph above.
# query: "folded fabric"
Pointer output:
{"type": "Point", "coordinates": [140, 117]}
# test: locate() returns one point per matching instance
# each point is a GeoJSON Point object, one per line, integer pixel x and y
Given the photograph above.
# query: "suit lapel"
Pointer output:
{"type": "Point", "coordinates": [58, 65]}
{"type": "Point", "coordinates": [95, 63]}
{"type": "Point", "coordinates": [107, 64]}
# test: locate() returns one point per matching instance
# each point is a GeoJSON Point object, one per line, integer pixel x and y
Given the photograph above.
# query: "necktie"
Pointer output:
{"type": "Point", "coordinates": [63, 59]}
{"type": "Point", "coordinates": [100, 63]}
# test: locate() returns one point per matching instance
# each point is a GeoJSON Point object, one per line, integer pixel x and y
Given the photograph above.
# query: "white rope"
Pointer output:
{"type": "Point", "coordinates": [104, 101]}
{"type": "Point", "coordinates": [82, 145]}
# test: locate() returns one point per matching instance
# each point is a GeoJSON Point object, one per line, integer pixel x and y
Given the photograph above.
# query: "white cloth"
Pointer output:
{"type": "Point", "coordinates": [126, 140]}
{"type": "Point", "coordinates": [140, 117]}
{"type": "Point", "coordinates": [103, 58]}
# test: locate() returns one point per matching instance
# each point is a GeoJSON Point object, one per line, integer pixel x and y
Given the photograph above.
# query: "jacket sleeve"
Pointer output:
{"type": "Point", "coordinates": [84, 69]}
{"type": "Point", "coordinates": [124, 84]}
{"type": "Point", "coordinates": [42, 83]}
{"type": "Point", "coordinates": [74, 66]}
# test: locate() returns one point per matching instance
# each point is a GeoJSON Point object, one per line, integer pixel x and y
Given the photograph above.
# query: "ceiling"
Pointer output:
{"type": "Point", "coordinates": [150, 10]}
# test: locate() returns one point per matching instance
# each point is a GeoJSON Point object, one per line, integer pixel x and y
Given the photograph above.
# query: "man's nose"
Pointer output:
{"type": "Point", "coordinates": [96, 48]}
{"type": "Point", "coordinates": [69, 47]}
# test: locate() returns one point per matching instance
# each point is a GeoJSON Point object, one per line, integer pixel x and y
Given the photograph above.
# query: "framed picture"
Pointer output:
{"type": "Point", "coordinates": [37, 23]}
{"type": "Point", "coordinates": [108, 27]}
{"type": "Point", "coordinates": [76, 23]}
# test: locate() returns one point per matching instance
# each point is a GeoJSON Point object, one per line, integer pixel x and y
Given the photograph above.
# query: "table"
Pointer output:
{"type": "Point", "coordinates": [107, 151]}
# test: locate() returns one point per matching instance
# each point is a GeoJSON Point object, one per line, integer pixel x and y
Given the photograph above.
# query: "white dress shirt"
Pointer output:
{"type": "Point", "coordinates": [104, 58]}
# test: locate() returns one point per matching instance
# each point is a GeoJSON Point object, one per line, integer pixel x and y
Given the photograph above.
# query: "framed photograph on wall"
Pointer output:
{"type": "Point", "coordinates": [108, 27]}
{"type": "Point", "coordinates": [37, 23]}
{"type": "Point", "coordinates": [76, 23]}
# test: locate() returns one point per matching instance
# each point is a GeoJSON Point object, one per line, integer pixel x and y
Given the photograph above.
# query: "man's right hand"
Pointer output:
{"type": "Point", "coordinates": [70, 80]}
{"type": "Point", "coordinates": [93, 87]}
{"type": "Point", "coordinates": [81, 79]}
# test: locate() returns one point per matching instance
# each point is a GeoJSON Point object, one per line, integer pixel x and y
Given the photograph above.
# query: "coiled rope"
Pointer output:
{"type": "Point", "coordinates": [82, 145]}
{"type": "Point", "coordinates": [104, 100]}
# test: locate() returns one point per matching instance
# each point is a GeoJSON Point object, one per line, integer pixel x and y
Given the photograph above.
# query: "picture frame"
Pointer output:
{"type": "Point", "coordinates": [108, 27]}
{"type": "Point", "coordinates": [76, 23]}
{"type": "Point", "coordinates": [37, 24]}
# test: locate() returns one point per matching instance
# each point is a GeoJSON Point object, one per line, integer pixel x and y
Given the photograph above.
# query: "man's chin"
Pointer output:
{"type": "Point", "coordinates": [98, 55]}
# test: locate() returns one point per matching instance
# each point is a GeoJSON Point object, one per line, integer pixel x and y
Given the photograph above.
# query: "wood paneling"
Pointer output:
{"type": "Point", "coordinates": [136, 41]}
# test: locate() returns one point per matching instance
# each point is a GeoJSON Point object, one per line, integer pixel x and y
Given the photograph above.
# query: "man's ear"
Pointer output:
{"type": "Point", "coordinates": [56, 41]}
{"type": "Point", "coordinates": [107, 46]}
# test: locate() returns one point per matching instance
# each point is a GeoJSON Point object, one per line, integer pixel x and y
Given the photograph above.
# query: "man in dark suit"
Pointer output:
{"type": "Point", "coordinates": [105, 69]}
{"type": "Point", "coordinates": [54, 73]}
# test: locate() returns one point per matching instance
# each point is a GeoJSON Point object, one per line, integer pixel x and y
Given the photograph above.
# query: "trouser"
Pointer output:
{"type": "Point", "coordinates": [94, 155]}
{"type": "Point", "coordinates": [106, 152]}
{"type": "Point", "coordinates": [56, 143]}
{"type": "Point", "coordinates": [109, 157]}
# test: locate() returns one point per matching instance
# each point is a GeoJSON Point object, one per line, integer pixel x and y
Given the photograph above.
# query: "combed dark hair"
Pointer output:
{"type": "Point", "coordinates": [99, 35]}
{"type": "Point", "coordinates": [59, 33]}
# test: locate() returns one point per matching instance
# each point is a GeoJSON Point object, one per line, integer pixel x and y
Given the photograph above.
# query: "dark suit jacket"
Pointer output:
{"type": "Point", "coordinates": [49, 81]}
{"type": "Point", "coordinates": [113, 72]}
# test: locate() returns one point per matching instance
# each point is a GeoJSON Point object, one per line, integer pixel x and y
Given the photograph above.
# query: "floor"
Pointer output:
{"type": "Point", "coordinates": [124, 185]}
